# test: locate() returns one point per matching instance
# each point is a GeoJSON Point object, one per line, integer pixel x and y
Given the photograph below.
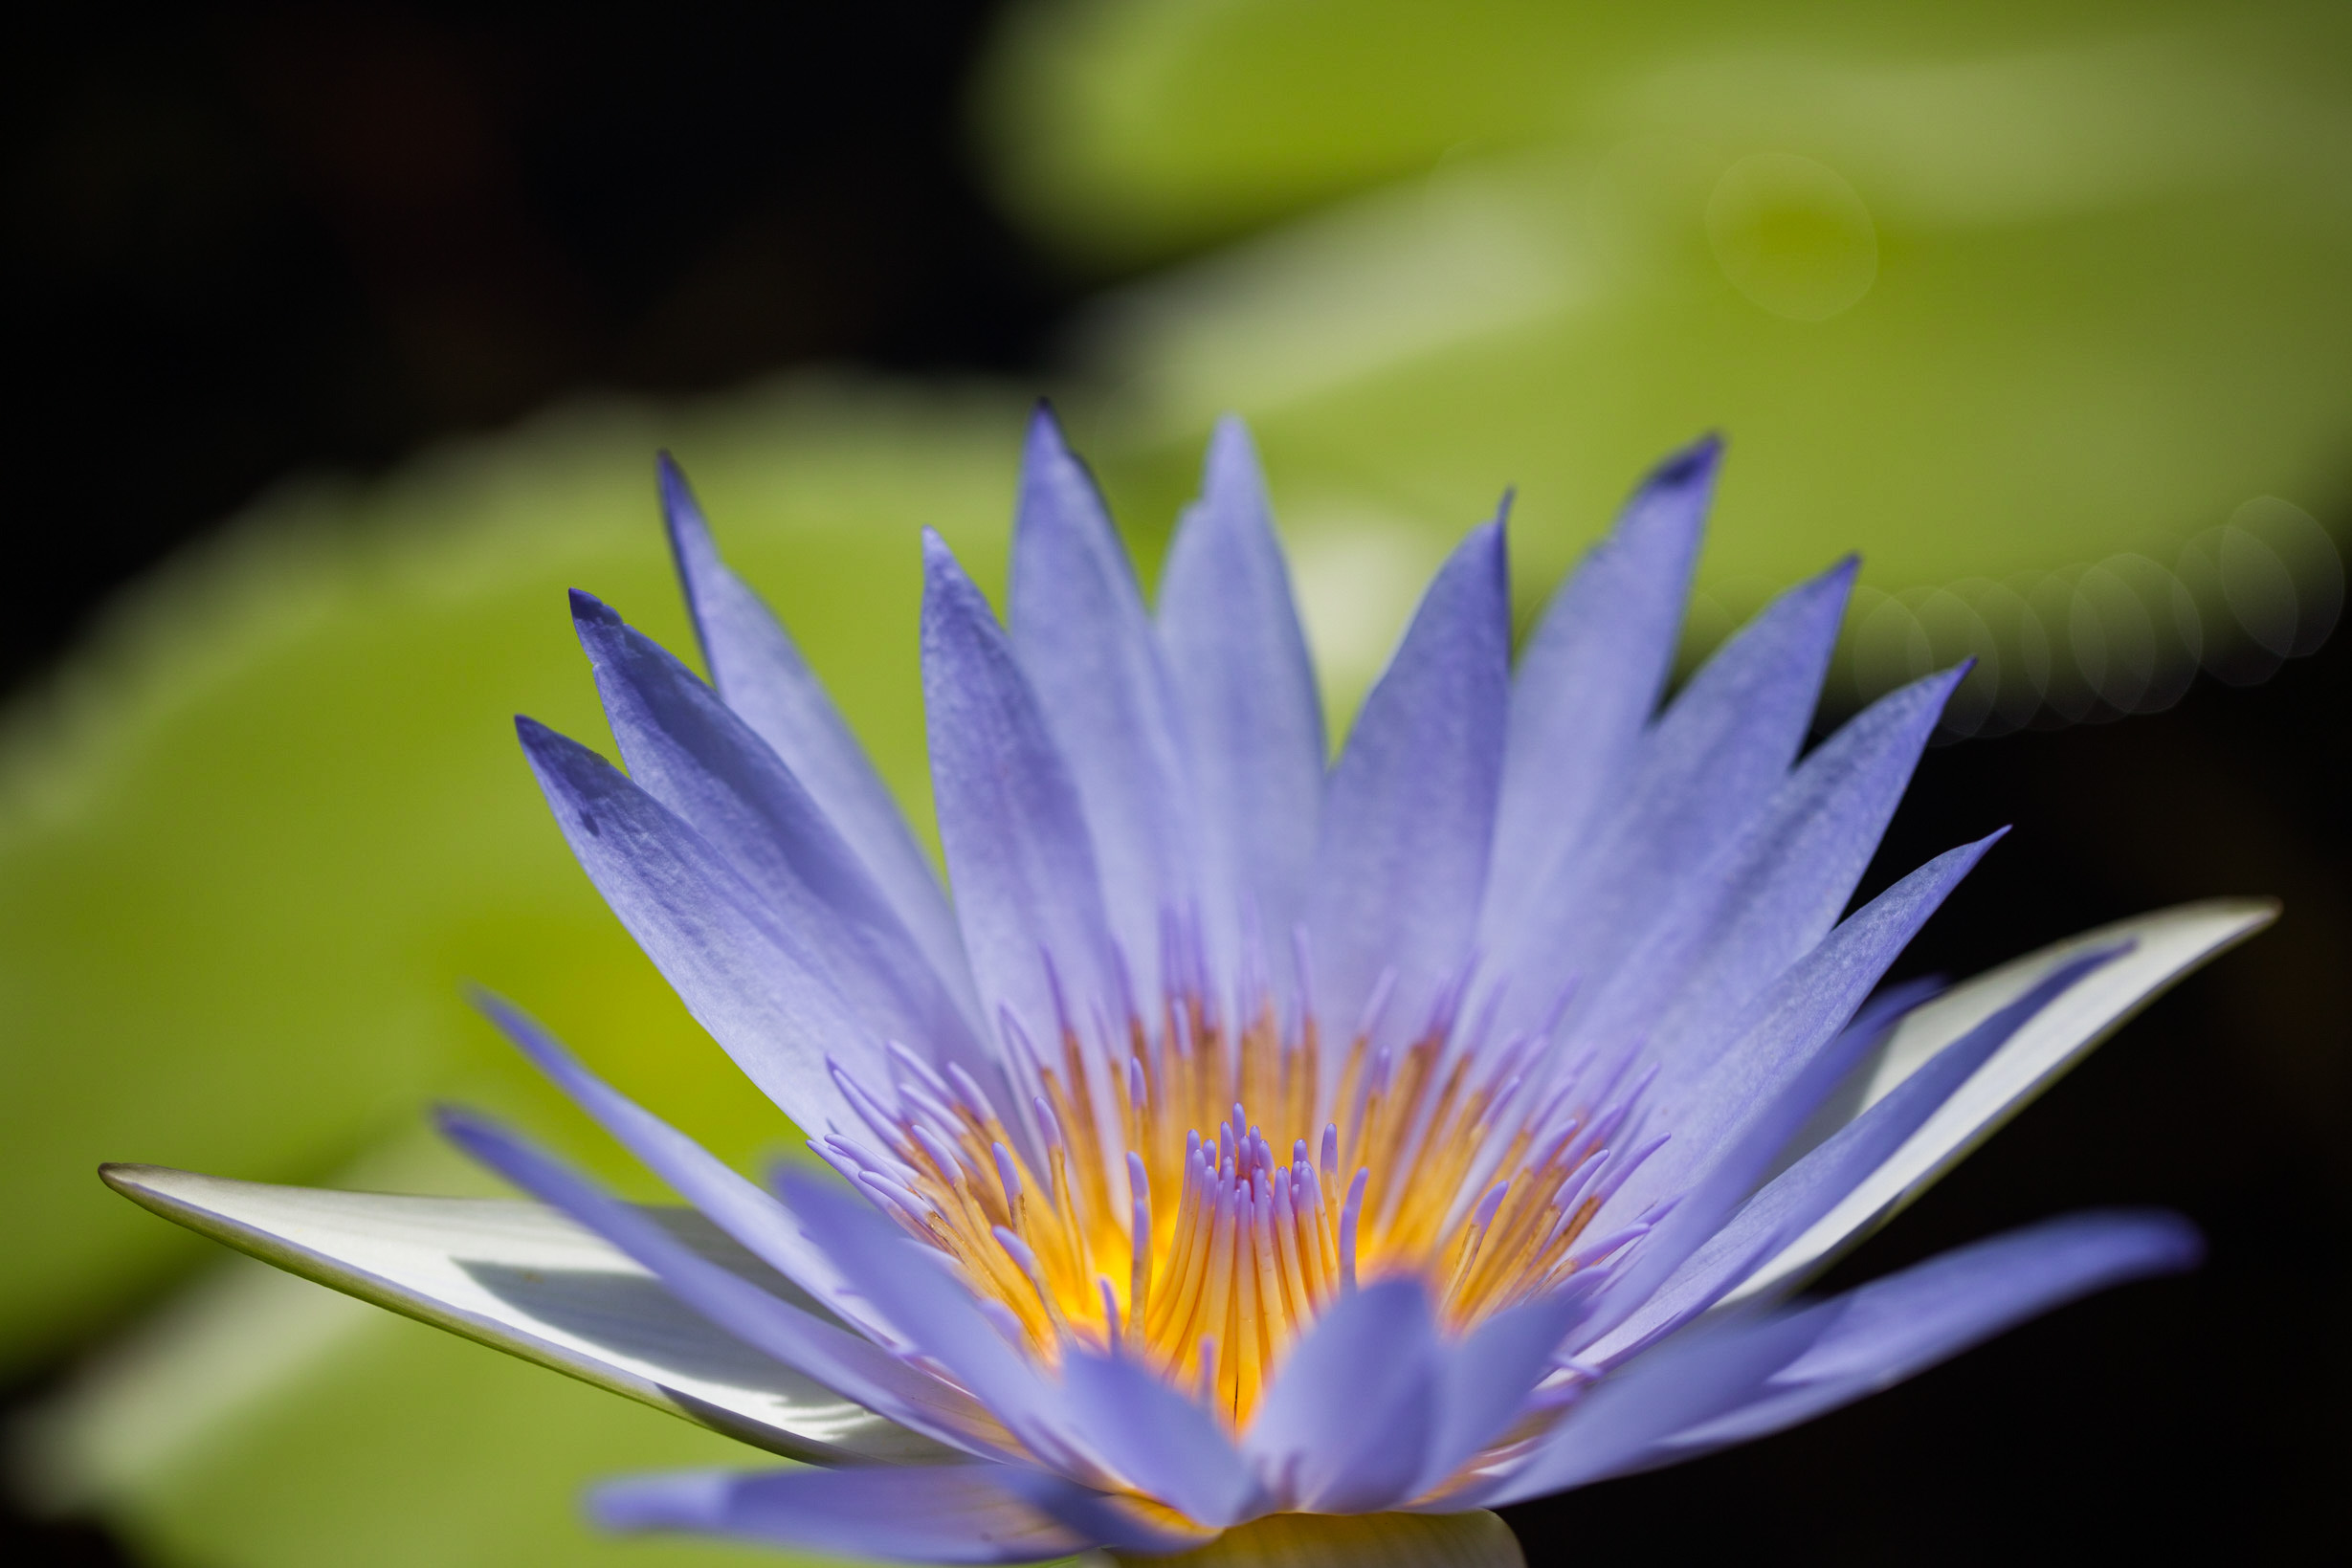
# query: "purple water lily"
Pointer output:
{"type": "Point", "coordinates": [1441, 1128]}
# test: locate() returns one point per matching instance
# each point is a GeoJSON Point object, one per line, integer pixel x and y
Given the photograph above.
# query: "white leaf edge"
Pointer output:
{"type": "Point", "coordinates": [600, 1316]}
{"type": "Point", "coordinates": [2167, 945]}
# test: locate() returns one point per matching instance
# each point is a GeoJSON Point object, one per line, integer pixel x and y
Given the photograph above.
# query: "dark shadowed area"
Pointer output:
{"type": "Point", "coordinates": [243, 242]}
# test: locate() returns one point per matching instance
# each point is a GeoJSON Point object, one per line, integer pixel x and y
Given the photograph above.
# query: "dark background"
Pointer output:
{"type": "Point", "coordinates": [247, 240]}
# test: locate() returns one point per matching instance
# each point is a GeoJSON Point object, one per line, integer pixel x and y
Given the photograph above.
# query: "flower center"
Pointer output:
{"type": "Point", "coordinates": [1168, 1224]}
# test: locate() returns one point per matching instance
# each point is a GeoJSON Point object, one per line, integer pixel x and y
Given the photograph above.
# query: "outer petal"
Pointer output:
{"type": "Point", "coordinates": [1489, 1378]}
{"type": "Point", "coordinates": [838, 1359]}
{"type": "Point", "coordinates": [765, 990]}
{"type": "Point", "coordinates": [1238, 662]}
{"type": "Point", "coordinates": [1791, 1055]}
{"type": "Point", "coordinates": [1117, 1521]}
{"type": "Point", "coordinates": [1408, 822]}
{"type": "Point", "coordinates": [1088, 649]}
{"type": "Point", "coordinates": [1779, 1040]}
{"type": "Point", "coordinates": [1618, 1426]}
{"type": "Point", "coordinates": [1904, 1324]}
{"type": "Point", "coordinates": [1813, 1184]}
{"type": "Point", "coordinates": [1162, 1442]}
{"type": "Point", "coordinates": [687, 750]}
{"type": "Point", "coordinates": [1773, 894]}
{"type": "Point", "coordinates": [523, 1279]}
{"type": "Point", "coordinates": [2165, 946]}
{"type": "Point", "coordinates": [912, 1288]}
{"type": "Point", "coordinates": [1018, 851]}
{"type": "Point", "coordinates": [762, 677]}
{"type": "Point", "coordinates": [736, 1205]}
{"type": "Point", "coordinates": [1591, 672]}
{"type": "Point", "coordinates": [960, 1514]}
{"type": "Point", "coordinates": [1708, 768]}
{"type": "Point", "coordinates": [1346, 1426]}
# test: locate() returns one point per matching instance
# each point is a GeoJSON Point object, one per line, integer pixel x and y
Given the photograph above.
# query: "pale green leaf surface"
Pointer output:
{"type": "Point", "coordinates": [1132, 130]}
{"type": "Point", "coordinates": [2024, 304]}
{"type": "Point", "coordinates": [410, 1446]}
{"type": "Point", "coordinates": [255, 839]}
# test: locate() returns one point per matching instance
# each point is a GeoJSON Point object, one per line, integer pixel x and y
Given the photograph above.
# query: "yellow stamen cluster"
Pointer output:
{"type": "Point", "coordinates": [1165, 1224]}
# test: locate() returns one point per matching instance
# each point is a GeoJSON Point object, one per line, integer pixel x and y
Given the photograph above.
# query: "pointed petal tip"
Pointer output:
{"type": "Point", "coordinates": [545, 745]}
{"type": "Point", "coordinates": [588, 611]}
{"type": "Point", "coordinates": [1046, 438]}
{"type": "Point", "coordinates": [1230, 468]}
{"type": "Point", "coordinates": [1692, 465]}
{"type": "Point", "coordinates": [127, 1177]}
{"type": "Point", "coordinates": [2173, 1243]}
{"type": "Point", "coordinates": [947, 589]}
{"type": "Point", "coordinates": [1489, 542]}
{"type": "Point", "coordinates": [680, 510]}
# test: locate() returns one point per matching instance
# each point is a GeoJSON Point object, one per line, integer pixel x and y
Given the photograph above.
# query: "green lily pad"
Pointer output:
{"type": "Point", "coordinates": [251, 845]}
{"type": "Point", "coordinates": [2028, 308]}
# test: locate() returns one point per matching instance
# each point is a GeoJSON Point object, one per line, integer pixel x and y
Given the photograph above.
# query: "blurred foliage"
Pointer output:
{"type": "Point", "coordinates": [252, 846]}
{"type": "Point", "coordinates": [1987, 292]}
{"type": "Point", "coordinates": [1132, 131]}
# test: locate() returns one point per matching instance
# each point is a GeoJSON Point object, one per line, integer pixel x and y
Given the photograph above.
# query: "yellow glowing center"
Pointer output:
{"type": "Point", "coordinates": [1230, 1245]}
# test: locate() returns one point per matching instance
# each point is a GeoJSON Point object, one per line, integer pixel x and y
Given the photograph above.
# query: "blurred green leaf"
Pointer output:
{"type": "Point", "coordinates": [407, 1445]}
{"type": "Point", "coordinates": [1128, 131]}
{"type": "Point", "coordinates": [253, 840]}
{"type": "Point", "coordinates": [1983, 293]}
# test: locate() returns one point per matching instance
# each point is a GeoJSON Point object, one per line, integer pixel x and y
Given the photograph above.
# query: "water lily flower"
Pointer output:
{"type": "Point", "coordinates": [1253, 1138]}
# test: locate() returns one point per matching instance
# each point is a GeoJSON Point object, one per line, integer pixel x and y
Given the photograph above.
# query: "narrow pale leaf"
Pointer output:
{"type": "Point", "coordinates": [522, 1278]}
{"type": "Point", "coordinates": [2167, 945]}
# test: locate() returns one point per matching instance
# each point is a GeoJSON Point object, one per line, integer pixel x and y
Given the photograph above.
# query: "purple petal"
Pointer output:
{"type": "Point", "coordinates": [1779, 1040]}
{"type": "Point", "coordinates": [840, 1361]}
{"type": "Point", "coordinates": [1591, 672]}
{"type": "Point", "coordinates": [737, 1205]}
{"type": "Point", "coordinates": [1711, 764]}
{"type": "Point", "coordinates": [1892, 1328]}
{"type": "Point", "coordinates": [1489, 1377]}
{"type": "Point", "coordinates": [1238, 661]}
{"type": "Point", "coordinates": [1160, 1441]}
{"type": "Point", "coordinates": [1812, 1185]}
{"type": "Point", "coordinates": [1347, 1426]}
{"type": "Point", "coordinates": [687, 750]}
{"type": "Point", "coordinates": [912, 1287]}
{"type": "Point", "coordinates": [1088, 651]}
{"type": "Point", "coordinates": [2162, 948]}
{"type": "Point", "coordinates": [1774, 894]}
{"type": "Point", "coordinates": [765, 993]}
{"type": "Point", "coordinates": [927, 1513]}
{"type": "Point", "coordinates": [1790, 1054]}
{"type": "Point", "coordinates": [1408, 820]}
{"type": "Point", "coordinates": [1105, 1517]}
{"type": "Point", "coordinates": [1018, 853]}
{"type": "Point", "coordinates": [762, 677]}
{"type": "Point", "coordinates": [1617, 1427]}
